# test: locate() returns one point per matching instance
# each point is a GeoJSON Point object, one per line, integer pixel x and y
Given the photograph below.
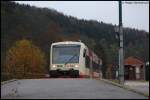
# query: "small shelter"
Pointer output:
{"type": "Point", "coordinates": [134, 68]}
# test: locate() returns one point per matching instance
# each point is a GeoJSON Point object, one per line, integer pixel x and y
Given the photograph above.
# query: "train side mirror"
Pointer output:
{"type": "Point", "coordinates": [84, 53]}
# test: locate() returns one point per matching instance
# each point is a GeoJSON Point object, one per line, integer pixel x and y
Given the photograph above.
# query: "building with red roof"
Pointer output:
{"type": "Point", "coordinates": [134, 68]}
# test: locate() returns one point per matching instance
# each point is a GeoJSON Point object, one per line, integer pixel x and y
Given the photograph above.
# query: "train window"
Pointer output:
{"type": "Point", "coordinates": [84, 53]}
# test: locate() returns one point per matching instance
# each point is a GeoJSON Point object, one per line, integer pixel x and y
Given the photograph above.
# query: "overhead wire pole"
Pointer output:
{"type": "Point", "coordinates": [91, 69]}
{"type": "Point", "coordinates": [121, 56]}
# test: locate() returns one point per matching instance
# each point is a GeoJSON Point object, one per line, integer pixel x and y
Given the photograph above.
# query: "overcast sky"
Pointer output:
{"type": "Point", "coordinates": [134, 14]}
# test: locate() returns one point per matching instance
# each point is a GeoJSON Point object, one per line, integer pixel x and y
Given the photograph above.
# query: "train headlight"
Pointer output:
{"type": "Point", "coordinates": [54, 66]}
{"type": "Point", "coordinates": [76, 66]}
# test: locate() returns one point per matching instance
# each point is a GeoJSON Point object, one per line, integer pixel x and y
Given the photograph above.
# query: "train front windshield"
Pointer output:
{"type": "Point", "coordinates": [62, 54]}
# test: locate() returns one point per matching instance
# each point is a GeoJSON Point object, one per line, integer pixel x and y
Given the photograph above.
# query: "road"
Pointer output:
{"type": "Point", "coordinates": [61, 88]}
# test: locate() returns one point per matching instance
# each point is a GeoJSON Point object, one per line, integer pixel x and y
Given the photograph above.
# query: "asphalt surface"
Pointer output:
{"type": "Point", "coordinates": [61, 88]}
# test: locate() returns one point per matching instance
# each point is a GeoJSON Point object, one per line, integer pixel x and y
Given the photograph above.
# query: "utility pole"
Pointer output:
{"type": "Point", "coordinates": [121, 56]}
{"type": "Point", "coordinates": [91, 69]}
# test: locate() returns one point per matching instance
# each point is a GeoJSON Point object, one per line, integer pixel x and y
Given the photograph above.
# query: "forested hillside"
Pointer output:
{"type": "Point", "coordinates": [43, 26]}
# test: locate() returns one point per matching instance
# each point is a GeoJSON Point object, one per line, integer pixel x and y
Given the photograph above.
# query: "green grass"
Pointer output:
{"type": "Point", "coordinates": [114, 80]}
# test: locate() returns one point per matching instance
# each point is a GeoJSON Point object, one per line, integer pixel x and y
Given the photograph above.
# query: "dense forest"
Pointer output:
{"type": "Point", "coordinates": [44, 26]}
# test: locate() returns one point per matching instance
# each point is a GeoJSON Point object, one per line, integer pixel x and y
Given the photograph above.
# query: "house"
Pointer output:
{"type": "Point", "coordinates": [134, 68]}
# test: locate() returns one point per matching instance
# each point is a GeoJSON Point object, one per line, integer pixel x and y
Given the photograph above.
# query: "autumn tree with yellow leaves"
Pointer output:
{"type": "Point", "coordinates": [24, 59]}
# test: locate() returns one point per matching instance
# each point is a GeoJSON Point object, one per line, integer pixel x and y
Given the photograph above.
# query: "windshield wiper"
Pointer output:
{"type": "Point", "coordinates": [70, 59]}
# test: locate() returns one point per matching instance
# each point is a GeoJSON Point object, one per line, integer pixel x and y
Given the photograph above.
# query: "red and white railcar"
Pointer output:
{"type": "Point", "coordinates": [73, 59]}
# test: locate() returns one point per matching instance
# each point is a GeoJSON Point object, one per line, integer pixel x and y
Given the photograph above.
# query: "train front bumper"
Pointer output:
{"type": "Point", "coordinates": [59, 73]}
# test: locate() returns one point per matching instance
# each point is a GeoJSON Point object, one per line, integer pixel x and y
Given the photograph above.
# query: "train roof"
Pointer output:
{"type": "Point", "coordinates": [68, 42]}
